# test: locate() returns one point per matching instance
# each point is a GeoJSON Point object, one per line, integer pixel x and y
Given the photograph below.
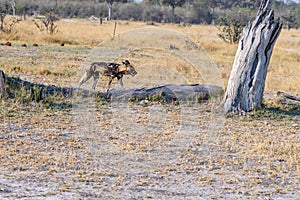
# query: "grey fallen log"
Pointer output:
{"type": "Point", "coordinates": [247, 79]}
{"type": "Point", "coordinates": [167, 93]}
{"type": "Point", "coordinates": [45, 90]}
{"type": "Point", "coordinates": [163, 93]}
{"type": "Point", "coordinates": [2, 84]}
{"type": "Point", "coordinates": [289, 99]}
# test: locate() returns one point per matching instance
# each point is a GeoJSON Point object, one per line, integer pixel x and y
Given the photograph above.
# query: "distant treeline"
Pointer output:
{"type": "Point", "coordinates": [176, 11]}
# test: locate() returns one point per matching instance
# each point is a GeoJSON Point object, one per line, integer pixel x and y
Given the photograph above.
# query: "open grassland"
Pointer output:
{"type": "Point", "coordinates": [81, 148]}
{"type": "Point", "coordinates": [86, 34]}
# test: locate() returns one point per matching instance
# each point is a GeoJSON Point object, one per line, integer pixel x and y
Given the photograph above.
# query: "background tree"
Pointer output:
{"type": "Point", "coordinates": [289, 15]}
{"type": "Point", "coordinates": [152, 10]}
{"type": "Point", "coordinates": [47, 23]}
{"type": "Point", "coordinates": [173, 4]}
{"type": "Point", "coordinates": [202, 12]}
{"type": "Point", "coordinates": [109, 6]}
{"type": "Point", "coordinates": [232, 22]}
{"type": "Point", "coordinates": [6, 24]}
{"type": "Point", "coordinates": [288, 19]}
{"type": "Point", "coordinates": [188, 11]}
{"type": "Point", "coordinates": [2, 17]}
{"type": "Point", "coordinates": [130, 11]}
{"type": "Point", "coordinates": [212, 4]}
{"type": "Point", "coordinates": [13, 6]}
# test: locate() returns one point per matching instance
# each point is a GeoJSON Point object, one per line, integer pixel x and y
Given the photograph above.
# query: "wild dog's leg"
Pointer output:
{"type": "Point", "coordinates": [120, 79]}
{"type": "Point", "coordinates": [109, 83]}
{"type": "Point", "coordinates": [96, 78]}
{"type": "Point", "coordinates": [86, 76]}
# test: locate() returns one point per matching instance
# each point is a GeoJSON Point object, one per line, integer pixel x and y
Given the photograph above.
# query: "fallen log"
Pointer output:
{"type": "Point", "coordinates": [167, 93]}
{"type": "Point", "coordinates": [163, 93]}
{"type": "Point", "coordinates": [35, 89]}
{"type": "Point", "coordinates": [289, 99]}
{"type": "Point", "coordinates": [2, 84]}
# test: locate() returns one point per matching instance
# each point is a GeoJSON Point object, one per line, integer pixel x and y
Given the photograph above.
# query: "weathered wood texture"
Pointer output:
{"type": "Point", "coordinates": [2, 84]}
{"type": "Point", "coordinates": [247, 79]}
{"type": "Point", "coordinates": [38, 90]}
{"type": "Point", "coordinates": [167, 93]}
{"type": "Point", "coordinates": [163, 93]}
{"type": "Point", "coordinates": [289, 99]}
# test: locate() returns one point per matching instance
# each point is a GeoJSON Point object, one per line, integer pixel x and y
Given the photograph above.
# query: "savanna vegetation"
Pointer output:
{"type": "Point", "coordinates": [229, 16]}
{"type": "Point", "coordinates": [67, 147]}
{"type": "Point", "coordinates": [187, 11]}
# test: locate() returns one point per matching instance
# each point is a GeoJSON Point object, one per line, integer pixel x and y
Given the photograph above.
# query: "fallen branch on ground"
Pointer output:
{"type": "Point", "coordinates": [289, 99]}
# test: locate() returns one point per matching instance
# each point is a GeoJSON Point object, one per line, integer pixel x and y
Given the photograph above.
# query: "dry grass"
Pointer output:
{"type": "Point", "coordinates": [123, 151]}
{"type": "Point", "coordinates": [284, 65]}
{"type": "Point", "coordinates": [158, 151]}
{"type": "Point", "coordinates": [70, 31]}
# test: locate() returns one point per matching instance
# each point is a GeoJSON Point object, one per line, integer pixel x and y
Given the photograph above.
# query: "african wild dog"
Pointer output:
{"type": "Point", "coordinates": [112, 70]}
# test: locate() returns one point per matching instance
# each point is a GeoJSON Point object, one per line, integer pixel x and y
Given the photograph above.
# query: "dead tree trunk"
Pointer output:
{"type": "Point", "coordinates": [109, 6]}
{"type": "Point", "coordinates": [247, 79]}
{"type": "Point", "coordinates": [13, 6]}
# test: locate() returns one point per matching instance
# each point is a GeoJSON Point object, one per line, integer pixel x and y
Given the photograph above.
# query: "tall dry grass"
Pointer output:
{"type": "Point", "coordinates": [70, 31]}
{"type": "Point", "coordinates": [284, 69]}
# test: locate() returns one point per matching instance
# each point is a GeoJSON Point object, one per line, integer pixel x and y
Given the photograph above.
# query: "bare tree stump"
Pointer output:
{"type": "Point", "coordinates": [247, 79]}
{"type": "Point", "coordinates": [2, 84]}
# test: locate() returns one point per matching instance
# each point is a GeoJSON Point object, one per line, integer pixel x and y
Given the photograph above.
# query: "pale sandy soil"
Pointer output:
{"type": "Point", "coordinates": [130, 151]}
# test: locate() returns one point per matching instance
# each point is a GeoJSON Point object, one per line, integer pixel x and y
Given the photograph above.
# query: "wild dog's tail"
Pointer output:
{"type": "Point", "coordinates": [86, 76]}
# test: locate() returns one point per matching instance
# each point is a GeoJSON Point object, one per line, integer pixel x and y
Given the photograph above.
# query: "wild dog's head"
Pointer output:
{"type": "Point", "coordinates": [127, 68]}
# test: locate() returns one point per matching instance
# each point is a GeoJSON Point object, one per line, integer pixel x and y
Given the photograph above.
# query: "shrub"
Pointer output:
{"type": "Point", "coordinates": [7, 23]}
{"type": "Point", "coordinates": [130, 11]}
{"type": "Point", "coordinates": [47, 23]}
{"type": "Point", "coordinates": [231, 24]}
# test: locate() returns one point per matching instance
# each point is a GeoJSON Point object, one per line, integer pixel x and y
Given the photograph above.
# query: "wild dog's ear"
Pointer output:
{"type": "Point", "coordinates": [126, 62]}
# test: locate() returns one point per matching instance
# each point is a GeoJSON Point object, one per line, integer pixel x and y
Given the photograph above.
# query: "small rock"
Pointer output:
{"type": "Point", "coordinates": [144, 103]}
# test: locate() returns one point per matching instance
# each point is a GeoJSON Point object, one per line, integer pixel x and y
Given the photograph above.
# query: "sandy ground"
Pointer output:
{"type": "Point", "coordinates": [132, 151]}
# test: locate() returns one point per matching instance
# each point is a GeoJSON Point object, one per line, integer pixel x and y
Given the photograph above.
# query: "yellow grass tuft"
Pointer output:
{"type": "Point", "coordinates": [44, 71]}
